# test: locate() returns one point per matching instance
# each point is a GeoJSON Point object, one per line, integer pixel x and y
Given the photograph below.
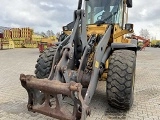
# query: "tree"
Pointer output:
{"type": "Point", "coordinates": [144, 33]}
{"type": "Point", "coordinates": [48, 33]}
{"type": "Point", "coordinates": [58, 34]}
{"type": "Point", "coordinates": [52, 33]}
{"type": "Point", "coordinates": [153, 38]}
{"type": "Point", "coordinates": [36, 33]}
{"type": "Point", "coordinates": [43, 34]}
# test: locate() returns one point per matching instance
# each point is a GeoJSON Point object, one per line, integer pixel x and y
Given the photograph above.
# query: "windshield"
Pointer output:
{"type": "Point", "coordinates": [108, 11]}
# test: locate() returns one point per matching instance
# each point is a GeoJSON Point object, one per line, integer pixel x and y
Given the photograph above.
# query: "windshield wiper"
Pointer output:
{"type": "Point", "coordinates": [99, 22]}
{"type": "Point", "coordinates": [109, 17]}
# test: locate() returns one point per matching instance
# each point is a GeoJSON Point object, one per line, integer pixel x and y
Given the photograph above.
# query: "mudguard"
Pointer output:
{"type": "Point", "coordinates": [129, 46]}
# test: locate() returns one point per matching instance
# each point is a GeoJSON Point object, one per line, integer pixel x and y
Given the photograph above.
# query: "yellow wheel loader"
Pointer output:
{"type": "Point", "coordinates": [96, 45]}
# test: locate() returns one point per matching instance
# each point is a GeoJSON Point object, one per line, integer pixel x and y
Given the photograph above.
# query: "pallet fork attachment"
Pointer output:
{"type": "Point", "coordinates": [56, 88]}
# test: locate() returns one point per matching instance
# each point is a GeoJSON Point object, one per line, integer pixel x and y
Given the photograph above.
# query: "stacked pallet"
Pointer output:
{"type": "Point", "coordinates": [16, 33]}
{"type": "Point", "coordinates": [20, 37]}
{"type": "Point", "coordinates": [24, 37]}
{"type": "Point", "coordinates": [7, 34]}
{"type": "Point", "coordinates": [26, 33]}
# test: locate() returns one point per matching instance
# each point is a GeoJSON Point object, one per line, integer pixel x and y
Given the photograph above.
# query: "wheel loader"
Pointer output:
{"type": "Point", "coordinates": [72, 69]}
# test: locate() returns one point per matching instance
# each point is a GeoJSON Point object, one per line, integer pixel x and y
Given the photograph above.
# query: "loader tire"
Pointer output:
{"type": "Point", "coordinates": [44, 63]}
{"type": "Point", "coordinates": [120, 80]}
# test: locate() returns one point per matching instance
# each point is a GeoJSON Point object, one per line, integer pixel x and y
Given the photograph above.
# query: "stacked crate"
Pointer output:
{"type": "Point", "coordinates": [26, 33]}
{"type": "Point", "coordinates": [21, 37]}
{"type": "Point", "coordinates": [18, 43]}
{"type": "Point", "coordinates": [16, 33]}
{"type": "Point", "coordinates": [5, 44]}
{"type": "Point", "coordinates": [36, 39]}
{"type": "Point", "coordinates": [7, 34]}
{"type": "Point", "coordinates": [1, 36]}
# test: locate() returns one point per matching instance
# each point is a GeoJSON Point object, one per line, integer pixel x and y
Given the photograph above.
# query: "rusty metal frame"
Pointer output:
{"type": "Point", "coordinates": [56, 88]}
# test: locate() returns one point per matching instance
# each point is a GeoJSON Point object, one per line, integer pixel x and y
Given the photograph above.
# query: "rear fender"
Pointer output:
{"type": "Point", "coordinates": [129, 46]}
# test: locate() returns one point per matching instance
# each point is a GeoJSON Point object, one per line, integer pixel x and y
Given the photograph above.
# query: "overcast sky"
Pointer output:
{"type": "Point", "coordinates": [43, 15]}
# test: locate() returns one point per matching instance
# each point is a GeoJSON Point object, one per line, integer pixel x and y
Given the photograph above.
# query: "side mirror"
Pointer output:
{"type": "Point", "coordinates": [129, 27]}
{"type": "Point", "coordinates": [65, 28]}
{"type": "Point", "coordinates": [129, 3]}
{"type": "Point", "coordinates": [69, 26]}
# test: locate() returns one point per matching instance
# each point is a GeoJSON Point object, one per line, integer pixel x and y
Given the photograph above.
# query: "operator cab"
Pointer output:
{"type": "Point", "coordinates": [104, 12]}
